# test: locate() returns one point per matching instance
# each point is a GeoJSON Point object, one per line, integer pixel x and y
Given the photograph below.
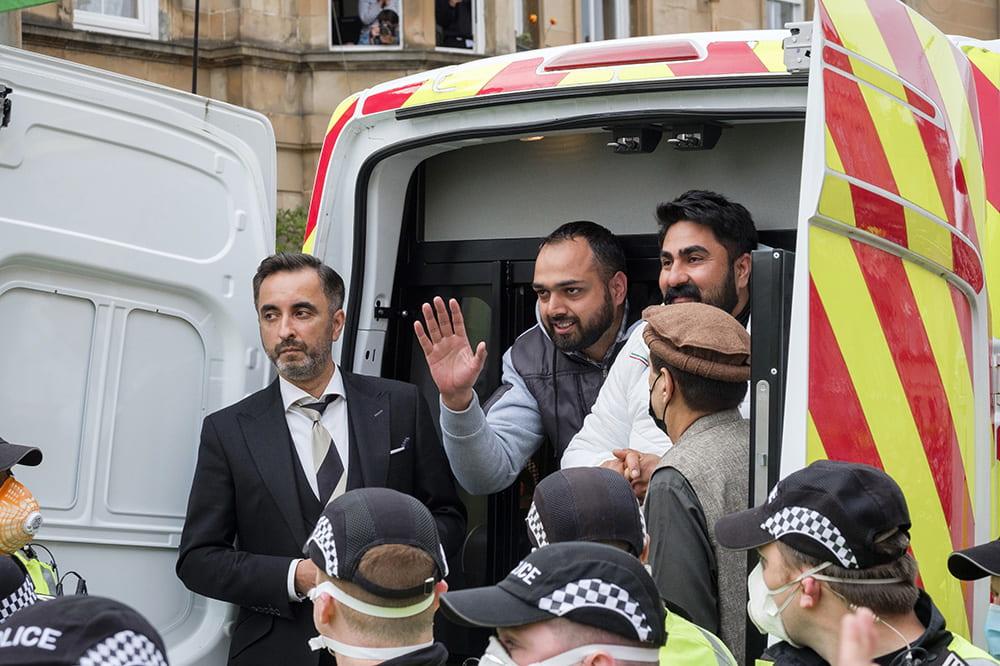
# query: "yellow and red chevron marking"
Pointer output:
{"type": "Point", "coordinates": [891, 348]}
{"type": "Point", "coordinates": [911, 111]}
{"type": "Point", "coordinates": [518, 75]}
{"type": "Point", "coordinates": [986, 74]}
{"type": "Point", "coordinates": [889, 386]}
{"type": "Point", "coordinates": [343, 113]}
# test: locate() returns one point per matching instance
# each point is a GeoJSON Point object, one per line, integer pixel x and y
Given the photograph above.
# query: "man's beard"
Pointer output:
{"type": "Point", "coordinates": [724, 297]}
{"type": "Point", "coordinates": [587, 333]}
{"type": "Point", "coordinates": [311, 365]}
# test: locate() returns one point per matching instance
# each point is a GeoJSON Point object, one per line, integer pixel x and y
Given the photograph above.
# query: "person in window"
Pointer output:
{"type": "Point", "coordinates": [454, 23]}
{"type": "Point", "coordinates": [369, 11]}
{"type": "Point", "coordinates": [385, 31]}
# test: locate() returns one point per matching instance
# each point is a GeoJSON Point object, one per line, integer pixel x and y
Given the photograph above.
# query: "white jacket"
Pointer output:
{"type": "Point", "coordinates": [620, 417]}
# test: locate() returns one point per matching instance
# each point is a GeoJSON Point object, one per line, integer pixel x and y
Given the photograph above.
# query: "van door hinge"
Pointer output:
{"type": "Point", "coordinates": [5, 106]}
{"type": "Point", "coordinates": [383, 312]}
{"type": "Point", "coordinates": [798, 47]}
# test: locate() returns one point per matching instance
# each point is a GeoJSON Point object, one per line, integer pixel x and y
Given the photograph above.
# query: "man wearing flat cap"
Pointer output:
{"type": "Point", "coordinates": [979, 562]}
{"type": "Point", "coordinates": [699, 367]}
{"type": "Point", "coordinates": [380, 571]}
{"type": "Point", "coordinates": [831, 539]}
{"type": "Point", "coordinates": [567, 603]}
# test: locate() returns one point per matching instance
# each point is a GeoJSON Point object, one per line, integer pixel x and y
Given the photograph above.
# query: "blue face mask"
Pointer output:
{"type": "Point", "coordinates": [993, 630]}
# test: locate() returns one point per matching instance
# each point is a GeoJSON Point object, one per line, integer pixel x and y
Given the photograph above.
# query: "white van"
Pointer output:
{"type": "Point", "coordinates": [865, 145]}
{"type": "Point", "coordinates": [132, 217]}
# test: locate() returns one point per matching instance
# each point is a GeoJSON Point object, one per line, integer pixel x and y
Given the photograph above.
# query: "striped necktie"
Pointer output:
{"type": "Point", "coordinates": [329, 468]}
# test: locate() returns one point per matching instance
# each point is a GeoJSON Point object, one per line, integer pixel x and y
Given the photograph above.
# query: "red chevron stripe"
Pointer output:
{"type": "Point", "coordinates": [829, 29]}
{"type": "Point", "coordinates": [324, 161]}
{"type": "Point", "coordinates": [521, 75]}
{"type": "Point", "coordinates": [988, 97]}
{"type": "Point", "coordinates": [390, 99]}
{"type": "Point", "coordinates": [913, 356]}
{"type": "Point", "coordinates": [722, 58]}
{"type": "Point", "coordinates": [854, 134]}
{"type": "Point", "coordinates": [880, 216]}
{"type": "Point", "coordinates": [833, 401]}
{"type": "Point", "coordinates": [966, 262]}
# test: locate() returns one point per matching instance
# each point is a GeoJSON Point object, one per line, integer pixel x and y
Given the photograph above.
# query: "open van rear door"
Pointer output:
{"type": "Point", "coordinates": [889, 359]}
{"type": "Point", "coordinates": [132, 219]}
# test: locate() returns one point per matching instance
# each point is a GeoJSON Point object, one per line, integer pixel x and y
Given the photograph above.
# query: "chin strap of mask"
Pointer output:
{"type": "Point", "coordinates": [358, 652]}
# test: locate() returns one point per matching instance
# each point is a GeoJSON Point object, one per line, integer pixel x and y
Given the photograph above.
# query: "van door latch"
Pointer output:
{"type": "Point", "coordinates": [5, 106]}
{"type": "Point", "coordinates": [797, 47]}
{"type": "Point", "coordinates": [383, 312]}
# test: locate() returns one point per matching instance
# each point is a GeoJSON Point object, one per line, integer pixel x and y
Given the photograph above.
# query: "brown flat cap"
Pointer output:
{"type": "Point", "coordinates": [700, 339]}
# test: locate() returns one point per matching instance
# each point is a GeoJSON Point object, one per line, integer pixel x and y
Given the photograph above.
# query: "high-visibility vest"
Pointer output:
{"type": "Point", "coordinates": [690, 645]}
{"type": "Point", "coordinates": [42, 574]}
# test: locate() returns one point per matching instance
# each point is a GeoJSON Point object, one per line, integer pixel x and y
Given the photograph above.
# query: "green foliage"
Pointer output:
{"type": "Point", "coordinates": [291, 229]}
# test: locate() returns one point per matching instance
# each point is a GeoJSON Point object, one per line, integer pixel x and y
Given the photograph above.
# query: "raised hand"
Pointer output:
{"type": "Point", "coordinates": [453, 365]}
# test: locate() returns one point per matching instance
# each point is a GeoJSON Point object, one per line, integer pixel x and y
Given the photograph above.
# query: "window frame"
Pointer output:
{"type": "Point", "coordinates": [146, 25]}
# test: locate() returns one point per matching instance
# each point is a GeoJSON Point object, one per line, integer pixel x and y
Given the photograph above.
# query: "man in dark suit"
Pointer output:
{"type": "Point", "coordinates": [260, 476]}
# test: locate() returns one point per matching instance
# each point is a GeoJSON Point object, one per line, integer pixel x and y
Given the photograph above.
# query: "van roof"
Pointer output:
{"type": "Point", "coordinates": [638, 59]}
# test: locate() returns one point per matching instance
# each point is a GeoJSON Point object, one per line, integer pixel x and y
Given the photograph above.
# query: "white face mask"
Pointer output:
{"type": "Point", "coordinates": [764, 610]}
{"type": "Point", "coordinates": [497, 655]}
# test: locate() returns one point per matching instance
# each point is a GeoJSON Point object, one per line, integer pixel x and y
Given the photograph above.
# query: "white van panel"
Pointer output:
{"type": "Point", "coordinates": [131, 227]}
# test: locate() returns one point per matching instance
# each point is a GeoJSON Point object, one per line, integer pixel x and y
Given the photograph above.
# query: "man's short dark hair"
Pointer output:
{"type": "Point", "coordinates": [333, 284]}
{"type": "Point", "coordinates": [731, 223]}
{"type": "Point", "coordinates": [701, 393]}
{"type": "Point", "coordinates": [605, 245]}
{"type": "Point", "coordinates": [887, 599]}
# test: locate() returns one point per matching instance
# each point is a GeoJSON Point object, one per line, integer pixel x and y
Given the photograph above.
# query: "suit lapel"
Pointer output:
{"type": "Point", "coordinates": [368, 420]}
{"type": "Point", "coordinates": [270, 445]}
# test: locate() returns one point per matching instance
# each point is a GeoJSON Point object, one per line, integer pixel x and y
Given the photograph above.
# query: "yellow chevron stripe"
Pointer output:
{"type": "Point", "coordinates": [839, 282]}
{"type": "Point", "coordinates": [835, 200]}
{"type": "Point", "coordinates": [879, 78]}
{"type": "Point", "coordinates": [772, 54]}
{"type": "Point", "coordinates": [991, 259]}
{"type": "Point", "coordinates": [859, 32]}
{"type": "Point", "coordinates": [833, 160]}
{"type": "Point", "coordinates": [928, 238]}
{"type": "Point", "coordinates": [904, 150]}
{"type": "Point", "coordinates": [941, 59]}
{"type": "Point", "coordinates": [987, 61]}
{"type": "Point", "coordinates": [310, 242]}
{"type": "Point", "coordinates": [464, 83]}
{"type": "Point", "coordinates": [643, 72]}
{"type": "Point", "coordinates": [584, 76]}
{"type": "Point", "coordinates": [340, 111]}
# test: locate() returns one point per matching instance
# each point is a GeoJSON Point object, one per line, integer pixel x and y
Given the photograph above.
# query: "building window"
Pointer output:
{"type": "Point", "coordinates": [128, 18]}
{"type": "Point", "coordinates": [780, 12]}
{"type": "Point", "coordinates": [604, 19]}
{"type": "Point", "coordinates": [459, 24]}
{"type": "Point", "coordinates": [374, 23]}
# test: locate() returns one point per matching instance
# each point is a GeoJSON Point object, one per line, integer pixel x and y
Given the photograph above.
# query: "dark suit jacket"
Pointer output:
{"type": "Point", "coordinates": [251, 510]}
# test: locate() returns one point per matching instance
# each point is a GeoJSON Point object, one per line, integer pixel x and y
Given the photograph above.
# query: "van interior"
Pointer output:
{"type": "Point", "coordinates": [476, 209]}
